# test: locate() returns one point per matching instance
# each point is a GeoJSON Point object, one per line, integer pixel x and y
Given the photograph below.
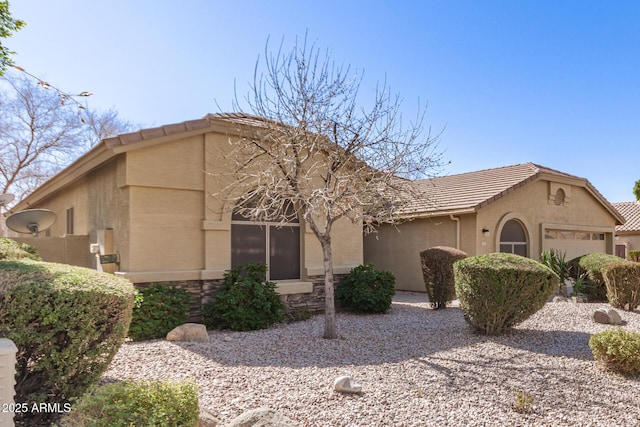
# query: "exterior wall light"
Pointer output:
{"type": "Point", "coordinates": [485, 231]}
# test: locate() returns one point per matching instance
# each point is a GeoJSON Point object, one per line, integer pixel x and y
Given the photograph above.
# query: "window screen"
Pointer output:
{"type": "Point", "coordinates": [513, 238]}
{"type": "Point", "coordinates": [248, 244]}
{"type": "Point", "coordinates": [284, 253]}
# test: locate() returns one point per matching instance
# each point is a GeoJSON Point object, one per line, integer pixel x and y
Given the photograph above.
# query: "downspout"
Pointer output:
{"type": "Point", "coordinates": [457, 220]}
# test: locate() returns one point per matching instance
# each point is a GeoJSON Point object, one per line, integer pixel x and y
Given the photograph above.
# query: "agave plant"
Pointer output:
{"type": "Point", "coordinates": [555, 260]}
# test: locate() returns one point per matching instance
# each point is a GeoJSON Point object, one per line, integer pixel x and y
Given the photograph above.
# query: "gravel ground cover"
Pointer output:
{"type": "Point", "coordinates": [417, 367]}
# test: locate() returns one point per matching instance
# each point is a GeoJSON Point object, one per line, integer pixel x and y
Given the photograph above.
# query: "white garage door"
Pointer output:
{"type": "Point", "coordinates": [574, 242]}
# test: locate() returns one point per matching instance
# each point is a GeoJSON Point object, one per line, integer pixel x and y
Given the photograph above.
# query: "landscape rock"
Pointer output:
{"type": "Point", "coordinates": [345, 384]}
{"type": "Point", "coordinates": [607, 316]}
{"type": "Point", "coordinates": [193, 332]}
{"type": "Point", "coordinates": [207, 419]}
{"type": "Point", "coordinates": [558, 298]}
{"type": "Point", "coordinates": [261, 417]}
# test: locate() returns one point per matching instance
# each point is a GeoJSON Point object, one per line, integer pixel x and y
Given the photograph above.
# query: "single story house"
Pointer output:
{"type": "Point", "coordinates": [523, 209]}
{"type": "Point", "coordinates": [143, 201]}
{"type": "Point", "coordinates": [628, 234]}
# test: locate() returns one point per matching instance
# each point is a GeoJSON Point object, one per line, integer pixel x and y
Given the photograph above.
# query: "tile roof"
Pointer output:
{"type": "Point", "coordinates": [631, 213]}
{"type": "Point", "coordinates": [445, 195]}
{"type": "Point", "coordinates": [468, 192]}
{"type": "Point", "coordinates": [187, 126]}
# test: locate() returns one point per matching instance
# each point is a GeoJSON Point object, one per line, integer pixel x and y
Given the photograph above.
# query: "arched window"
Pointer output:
{"type": "Point", "coordinates": [559, 198]}
{"type": "Point", "coordinates": [513, 238]}
{"type": "Point", "coordinates": [272, 243]}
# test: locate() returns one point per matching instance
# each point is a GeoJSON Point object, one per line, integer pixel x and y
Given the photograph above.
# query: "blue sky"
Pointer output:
{"type": "Point", "coordinates": [551, 82]}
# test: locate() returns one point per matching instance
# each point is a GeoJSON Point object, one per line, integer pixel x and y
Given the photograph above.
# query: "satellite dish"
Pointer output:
{"type": "Point", "coordinates": [31, 221]}
{"type": "Point", "coordinates": [5, 199]}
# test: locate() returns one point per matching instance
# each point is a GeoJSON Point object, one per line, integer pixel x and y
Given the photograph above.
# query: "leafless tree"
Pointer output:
{"type": "Point", "coordinates": [103, 124]}
{"type": "Point", "coordinates": [40, 134]}
{"type": "Point", "coordinates": [319, 150]}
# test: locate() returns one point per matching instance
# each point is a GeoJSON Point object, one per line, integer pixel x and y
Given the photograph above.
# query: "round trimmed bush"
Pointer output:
{"type": "Point", "coordinates": [623, 284]}
{"type": "Point", "coordinates": [158, 309]}
{"type": "Point", "coordinates": [246, 302]}
{"type": "Point", "coordinates": [366, 289]}
{"type": "Point", "coordinates": [617, 350]}
{"type": "Point", "coordinates": [67, 323]}
{"type": "Point", "coordinates": [590, 266]}
{"type": "Point", "coordinates": [131, 403]}
{"type": "Point", "coordinates": [437, 270]}
{"type": "Point", "coordinates": [499, 290]}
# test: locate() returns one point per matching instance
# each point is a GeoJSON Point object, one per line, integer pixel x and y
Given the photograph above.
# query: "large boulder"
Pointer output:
{"type": "Point", "coordinates": [192, 332]}
{"type": "Point", "coordinates": [607, 315]}
{"type": "Point", "coordinates": [261, 417]}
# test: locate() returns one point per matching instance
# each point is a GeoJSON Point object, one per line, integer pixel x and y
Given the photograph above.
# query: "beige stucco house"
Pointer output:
{"type": "Point", "coordinates": [628, 234]}
{"type": "Point", "coordinates": [146, 197]}
{"type": "Point", "coordinates": [523, 209]}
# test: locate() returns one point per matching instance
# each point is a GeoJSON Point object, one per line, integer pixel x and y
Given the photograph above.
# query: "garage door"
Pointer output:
{"type": "Point", "coordinates": [574, 242]}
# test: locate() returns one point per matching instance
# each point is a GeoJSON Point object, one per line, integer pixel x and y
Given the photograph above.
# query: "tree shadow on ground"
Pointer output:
{"type": "Point", "coordinates": [405, 332]}
{"type": "Point", "coordinates": [556, 343]}
{"type": "Point", "coordinates": [408, 331]}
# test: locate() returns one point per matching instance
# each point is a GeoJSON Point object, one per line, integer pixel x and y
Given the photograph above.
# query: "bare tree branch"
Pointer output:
{"type": "Point", "coordinates": [39, 135]}
{"type": "Point", "coordinates": [318, 148]}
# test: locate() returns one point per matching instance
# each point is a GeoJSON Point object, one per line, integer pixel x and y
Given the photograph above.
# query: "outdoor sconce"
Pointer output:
{"type": "Point", "coordinates": [485, 232]}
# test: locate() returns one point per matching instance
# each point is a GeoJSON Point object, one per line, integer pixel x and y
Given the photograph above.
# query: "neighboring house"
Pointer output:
{"type": "Point", "coordinates": [147, 197]}
{"type": "Point", "coordinates": [628, 234]}
{"type": "Point", "coordinates": [523, 209]}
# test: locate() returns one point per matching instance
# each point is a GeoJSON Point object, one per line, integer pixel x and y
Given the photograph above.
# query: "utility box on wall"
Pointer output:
{"type": "Point", "coordinates": [8, 352]}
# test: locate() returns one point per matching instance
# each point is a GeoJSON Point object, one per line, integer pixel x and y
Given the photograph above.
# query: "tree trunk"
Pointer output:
{"type": "Point", "coordinates": [329, 304]}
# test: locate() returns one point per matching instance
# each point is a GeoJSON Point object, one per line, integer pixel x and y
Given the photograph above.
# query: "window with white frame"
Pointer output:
{"type": "Point", "coordinates": [513, 238]}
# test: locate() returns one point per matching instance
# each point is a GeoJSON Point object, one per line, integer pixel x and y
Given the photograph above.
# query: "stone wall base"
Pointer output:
{"type": "Point", "coordinates": [203, 291]}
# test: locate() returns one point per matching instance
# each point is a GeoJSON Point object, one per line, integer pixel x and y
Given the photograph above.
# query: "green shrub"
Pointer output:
{"type": "Point", "coordinates": [623, 284]}
{"type": "Point", "coordinates": [581, 286]}
{"type": "Point", "coordinates": [555, 260]}
{"type": "Point", "coordinates": [499, 290]}
{"type": "Point", "coordinates": [159, 309]}
{"type": "Point", "coordinates": [298, 314]}
{"type": "Point", "coordinates": [246, 302]}
{"type": "Point", "coordinates": [129, 403]}
{"type": "Point", "coordinates": [617, 350]}
{"type": "Point", "coordinates": [591, 266]}
{"type": "Point", "coordinates": [634, 256]}
{"type": "Point", "coordinates": [10, 250]}
{"type": "Point", "coordinates": [67, 323]}
{"type": "Point", "coordinates": [437, 270]}
{"type": "Point", "coordinates": [366, 289]}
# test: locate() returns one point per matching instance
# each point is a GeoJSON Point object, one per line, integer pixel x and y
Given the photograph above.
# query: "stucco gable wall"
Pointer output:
{"type": "Point", "coordinates": [177, 165]}
{"type": "Point", "coordinates": [166, 183]}
{"type": "Point", "coordinates": [180, 220]}
{"type": "Point", "coordinates": [533, 204]}
{"type": "Point", "coordinates": [98, 202]}
{"type": "Point", "coordinates": [165, 229]}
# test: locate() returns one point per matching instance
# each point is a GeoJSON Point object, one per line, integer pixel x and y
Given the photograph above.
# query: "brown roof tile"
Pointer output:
{"type": "Point", "coordinates": [465, 192]}
{"type": "Point", "coordinates": [631, 213]}
{"type": "Point", "coordinates": [177, 128]}
{"type": "Point", "coordinates": [468, 192]}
